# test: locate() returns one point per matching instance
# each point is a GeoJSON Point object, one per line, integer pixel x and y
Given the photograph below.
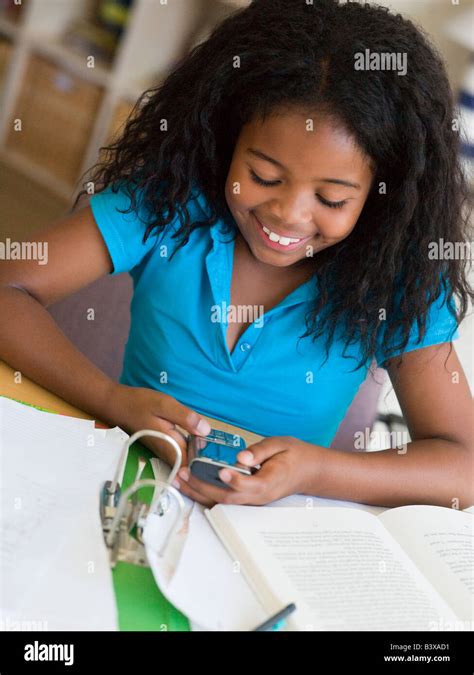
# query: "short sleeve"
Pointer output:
{"type": "Point", "coordinates": [441, 326]}
{"type": "Point", "coordinates": [122, 232]}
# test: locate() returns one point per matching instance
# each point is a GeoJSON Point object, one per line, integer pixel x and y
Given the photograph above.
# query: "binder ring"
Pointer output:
{"type": "Point", "coordinates": [123, 502]}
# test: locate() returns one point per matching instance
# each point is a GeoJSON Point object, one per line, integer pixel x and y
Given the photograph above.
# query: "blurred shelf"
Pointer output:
{"type": "Point", "coordinates": [58, 111]}
{"type": "Point", "coordinates": [153, 40]}
{"type": "Point", "coordinates": [121, 113]}
{"type": "Point", "coordinates": [131, 91]}
{"type": "Point", "coordinates": [37, 173]}
{"type": "Point", "coordinates": [73, 60]}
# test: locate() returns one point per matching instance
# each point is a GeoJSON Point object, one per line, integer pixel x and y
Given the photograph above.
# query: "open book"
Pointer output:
{"type": "Point", "coordinates": [410, 568]}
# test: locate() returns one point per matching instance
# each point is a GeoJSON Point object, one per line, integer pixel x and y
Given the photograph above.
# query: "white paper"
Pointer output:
{"type": "Point", "coordinates": [197, 575]}
{"type": "Point", "coordinates": [53, 560]}
{"type": "Point", "coordinates": [203, 583]}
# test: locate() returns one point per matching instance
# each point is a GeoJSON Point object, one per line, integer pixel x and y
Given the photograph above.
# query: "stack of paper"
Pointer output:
{"type": "Point", "coordinates": [54, 570]}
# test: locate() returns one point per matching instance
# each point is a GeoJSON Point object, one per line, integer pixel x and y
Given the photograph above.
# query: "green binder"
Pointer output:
{"type": "Point", "coordinates": [140, 603]}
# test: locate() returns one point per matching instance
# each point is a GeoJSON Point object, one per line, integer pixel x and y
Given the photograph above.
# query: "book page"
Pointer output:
{"type": "Point", "coordinates": [339, 566]}
{"type": "Point", "coordinates": [441, 543]}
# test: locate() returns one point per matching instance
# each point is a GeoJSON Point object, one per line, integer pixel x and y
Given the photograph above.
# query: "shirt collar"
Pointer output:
{"type": "Point", "coordinates": [223, 243]}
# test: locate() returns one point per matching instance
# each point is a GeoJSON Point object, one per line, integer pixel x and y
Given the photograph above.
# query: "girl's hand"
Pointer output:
{"type": "Point", "coordinates": [136, 408]}
{"type": "Point", "coordinates": [289, 466]}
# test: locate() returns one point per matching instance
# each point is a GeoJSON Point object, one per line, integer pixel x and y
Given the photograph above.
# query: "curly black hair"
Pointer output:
{"type": "Point", "coordinates": [301, 55]}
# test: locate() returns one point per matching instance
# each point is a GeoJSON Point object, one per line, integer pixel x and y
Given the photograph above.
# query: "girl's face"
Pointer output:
{"type": "Point", "coordinates": [298, 191]}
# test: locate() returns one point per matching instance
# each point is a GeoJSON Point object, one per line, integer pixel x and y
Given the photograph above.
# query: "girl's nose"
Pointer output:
{"type": "Point", "coordinates": [294, 217]}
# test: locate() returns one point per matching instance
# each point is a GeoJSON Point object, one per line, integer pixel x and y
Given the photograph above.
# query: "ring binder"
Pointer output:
{"type": "Point", "coordinates": [120, 515]}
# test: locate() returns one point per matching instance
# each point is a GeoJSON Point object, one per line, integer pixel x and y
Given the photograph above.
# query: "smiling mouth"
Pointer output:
{"type": "Point", "coordinates": [284, 241]}
{"type": "Point", "coordinates": [279, 240]}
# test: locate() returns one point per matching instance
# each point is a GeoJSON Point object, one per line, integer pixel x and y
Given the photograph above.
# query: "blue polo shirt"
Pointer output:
{"type": "Point", "coordinates": [272, 383]}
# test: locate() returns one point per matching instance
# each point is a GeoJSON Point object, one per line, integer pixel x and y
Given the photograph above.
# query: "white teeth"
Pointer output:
{"type": "Point", "coordinates": [284, 241]}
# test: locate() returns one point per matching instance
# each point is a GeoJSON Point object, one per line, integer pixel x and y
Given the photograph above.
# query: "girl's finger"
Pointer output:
{"type": "Point", "coordinates": [212, 492]}
{"type": "Point", "coordinates": [237, 481]}
{"type": "Point", "coordinates": [263, 450]}
{"type": "Point", "coordinates": [174, 411]}
{"type": "Point", "coordinates": [207, 489]}
{"type": "Point", "coordinates": [194, 495]}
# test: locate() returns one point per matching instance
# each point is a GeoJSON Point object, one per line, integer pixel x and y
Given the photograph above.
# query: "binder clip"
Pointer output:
{"type": "Point", "coordinates": [124, 516]}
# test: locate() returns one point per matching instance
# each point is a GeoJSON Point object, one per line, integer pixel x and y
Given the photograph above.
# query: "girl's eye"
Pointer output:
{"type": "Point", "coordinates": [261, 181]}
{"type": "Point", "coordinates": [270, 183]}
{"type": "Point", "coordinates": [331, 205]}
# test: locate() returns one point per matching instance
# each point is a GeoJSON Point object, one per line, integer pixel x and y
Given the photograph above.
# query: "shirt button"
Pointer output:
{"type": "Point", "coordinates": [244, 347]}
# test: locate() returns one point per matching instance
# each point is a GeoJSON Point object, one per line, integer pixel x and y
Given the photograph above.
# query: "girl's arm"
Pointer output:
{"type": "Point", "coordinates": [32, 343]}
{"type": "Point", "coordinates": [30, 340]}
{"type": "Point", "coordinates": [436, 467]}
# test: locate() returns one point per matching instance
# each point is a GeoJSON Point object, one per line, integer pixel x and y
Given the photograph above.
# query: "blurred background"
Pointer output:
{"type": "Point", "coordinates": [71, 71]}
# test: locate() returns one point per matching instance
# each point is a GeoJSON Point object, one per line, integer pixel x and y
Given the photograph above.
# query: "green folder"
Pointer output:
{"type": "Point", "coordinates": [140, 603]}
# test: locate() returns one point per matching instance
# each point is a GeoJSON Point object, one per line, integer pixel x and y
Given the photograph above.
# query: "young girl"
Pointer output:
{"type": "Point", "coordinates": [281, 201]}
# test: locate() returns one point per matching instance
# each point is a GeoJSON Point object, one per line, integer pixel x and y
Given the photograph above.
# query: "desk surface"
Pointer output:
{"type": "Point", "coordinates": [140, 603]}
{"type": "Point", "coordinates": [30, 392]}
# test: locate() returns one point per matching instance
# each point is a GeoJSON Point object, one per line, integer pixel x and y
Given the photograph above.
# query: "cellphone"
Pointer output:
{"type": "Point", "coordinates": [207, 455]}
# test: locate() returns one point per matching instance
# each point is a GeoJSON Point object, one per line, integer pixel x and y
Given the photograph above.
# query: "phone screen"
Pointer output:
{"type": "Point", "coordinates": [215, 450]}
{"type": "Point", "coordinates": [220, 453]}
